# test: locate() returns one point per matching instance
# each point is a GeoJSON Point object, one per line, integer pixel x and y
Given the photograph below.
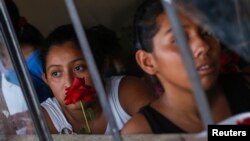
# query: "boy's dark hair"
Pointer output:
{"type": "Point", "coordinates": [145, 25]}
{"type": "Point", "coordinates": [30, 35]}
{"type": "Point", "coordinates": [104, 39]}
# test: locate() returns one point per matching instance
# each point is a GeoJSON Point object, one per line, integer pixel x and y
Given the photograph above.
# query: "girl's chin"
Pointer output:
{"type": "Point", "coordinates": [74, 106]}
{"type": "Point", "coordinates": [77, 105]}
{"type": "Point", "coordinates": [208, 85]}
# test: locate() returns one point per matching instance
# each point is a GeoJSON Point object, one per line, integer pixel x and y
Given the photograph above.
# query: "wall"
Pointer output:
{"type": "Point", "coordinates": [48, 14]}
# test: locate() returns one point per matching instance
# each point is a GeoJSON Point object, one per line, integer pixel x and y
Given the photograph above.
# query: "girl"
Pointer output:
{"type": "Point", "coordinates": [176, 111]}
{"type": "Point", "coordinates": [62, 62]}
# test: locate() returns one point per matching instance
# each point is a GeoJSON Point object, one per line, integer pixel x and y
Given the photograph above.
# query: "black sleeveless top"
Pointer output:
{"type": "Point", "coordinates": [236, 92]}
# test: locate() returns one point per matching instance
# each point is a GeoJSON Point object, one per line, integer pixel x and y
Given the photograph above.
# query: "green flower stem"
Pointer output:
{"type": "Point", "coordinates": [85, 117]}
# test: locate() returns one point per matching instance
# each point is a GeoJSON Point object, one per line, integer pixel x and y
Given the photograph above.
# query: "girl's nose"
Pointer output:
{"type": "Point", "coordinates": [199, 47]}
{"type": "Point", "coordinates": [69, 77]}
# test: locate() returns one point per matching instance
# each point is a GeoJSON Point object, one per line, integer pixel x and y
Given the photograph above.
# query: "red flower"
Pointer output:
{"type": "Point", "coordinates": [245, 121]}
{"type": "Point", "coordinates": [79, 91]}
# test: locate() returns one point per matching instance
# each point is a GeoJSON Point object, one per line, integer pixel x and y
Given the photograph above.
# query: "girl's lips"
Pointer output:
{"type": "Point", "coordinates": [206, 69]}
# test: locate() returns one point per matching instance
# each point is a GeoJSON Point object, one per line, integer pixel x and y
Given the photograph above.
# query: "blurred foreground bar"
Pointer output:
{"type": "Point", "coordinates": [139, 137]}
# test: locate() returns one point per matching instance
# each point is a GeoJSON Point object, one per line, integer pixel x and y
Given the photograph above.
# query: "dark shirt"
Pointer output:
{"type": "Point", "coordinates": [236, 92]}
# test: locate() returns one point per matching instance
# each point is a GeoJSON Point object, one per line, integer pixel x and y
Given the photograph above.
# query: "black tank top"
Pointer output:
{"type": "Point", "coordinates": [236, 91]}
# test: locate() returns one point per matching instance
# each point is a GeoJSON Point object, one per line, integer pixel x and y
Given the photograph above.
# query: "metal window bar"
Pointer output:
{"type": "Point", "coordinates": [24, 78]}
{"type": "Point", "coordinates": [92, 67]}
{"type": "Point", "coordinates": [186, 54]}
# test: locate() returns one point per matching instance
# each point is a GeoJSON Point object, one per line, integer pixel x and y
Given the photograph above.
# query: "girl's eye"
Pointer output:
{"type": "Point", "coordinates": [206, 34]}
{"type": "Point", "coordinates": [79, 68]}
{"type": "Point", "coordinates": [56, 74]}
{"type": "Point", "coordinates": [173, 41]}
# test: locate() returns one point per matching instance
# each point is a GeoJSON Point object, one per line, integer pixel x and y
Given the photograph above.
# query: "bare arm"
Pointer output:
{"type": "Point", "coordinates": [134, 94]}
{"type": "Point", "coordinates": [136, 125]}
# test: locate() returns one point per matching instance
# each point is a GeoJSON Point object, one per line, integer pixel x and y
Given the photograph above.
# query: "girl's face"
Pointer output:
{"type": "Point", "coordinates": [63, 63]}
{"type": "Point", "coordinates": [166, 55]}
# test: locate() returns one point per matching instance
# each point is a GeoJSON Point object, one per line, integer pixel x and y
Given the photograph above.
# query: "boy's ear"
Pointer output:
{"type": "Point", "coordinates": [44, 78]}
{"type": "Point", "coordinates": [145, 61]}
